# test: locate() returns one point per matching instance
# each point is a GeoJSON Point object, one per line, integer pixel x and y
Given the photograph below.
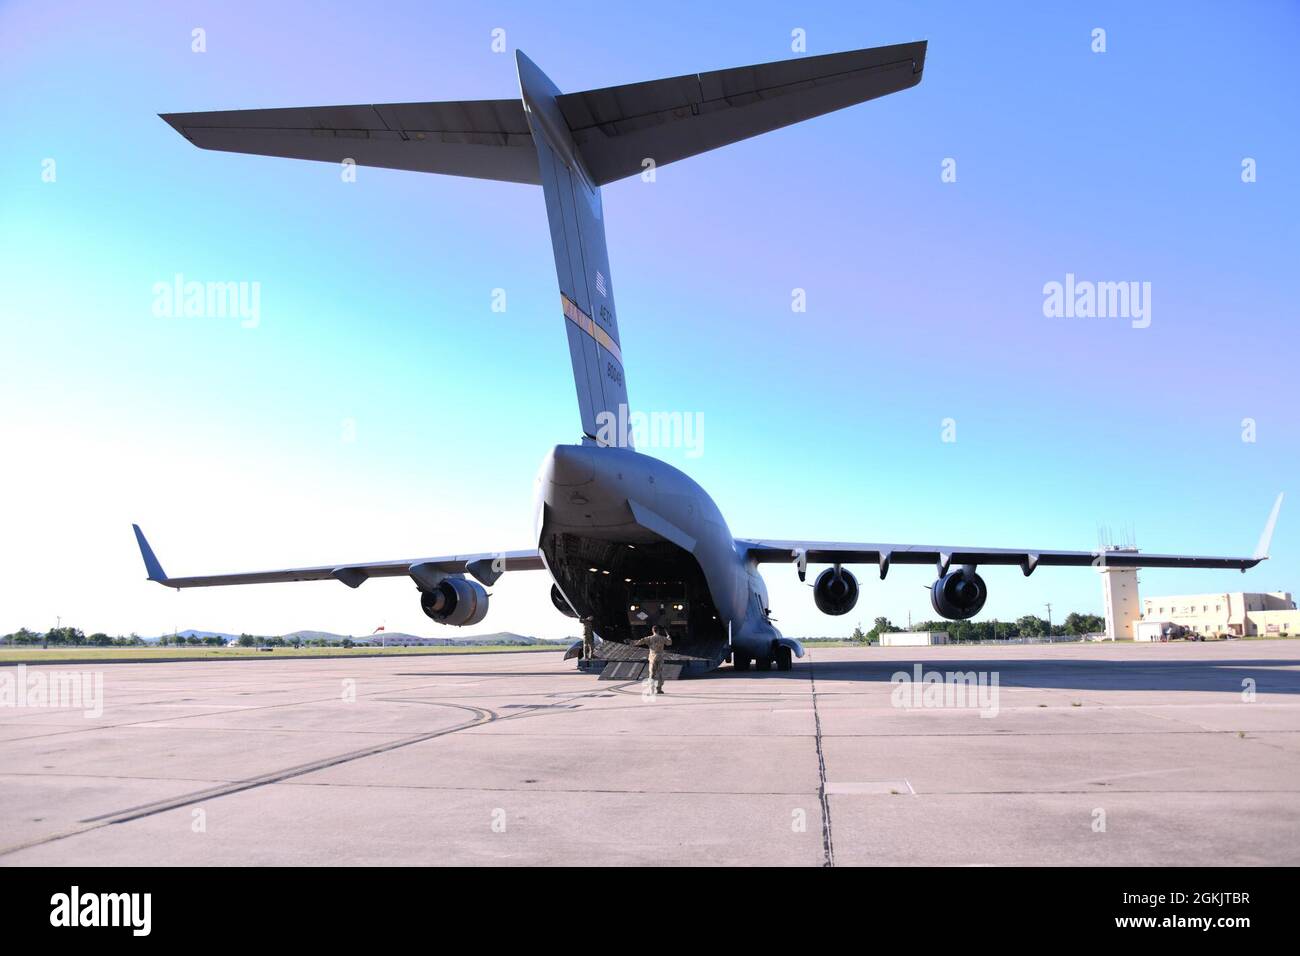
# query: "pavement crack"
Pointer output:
{"type": "Point", "coordinates": [828, 844]}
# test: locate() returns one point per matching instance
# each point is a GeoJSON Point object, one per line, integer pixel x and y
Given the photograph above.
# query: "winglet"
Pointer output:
{"type": "Point", "coordinates": [1266, 539]}
{"type": "Point", "coordinates": [156, 573]}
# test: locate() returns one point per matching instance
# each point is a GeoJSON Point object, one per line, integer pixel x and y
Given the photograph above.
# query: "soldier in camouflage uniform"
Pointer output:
{"type": "Point", "coordinates": [657, 641]}
{"type": "Point", "coordinates": [588, 638]}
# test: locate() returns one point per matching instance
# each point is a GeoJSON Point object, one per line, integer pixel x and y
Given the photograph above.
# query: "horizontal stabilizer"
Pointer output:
{"type": "Point", "coordinates": [485, 139]}
{"type": "Point", "coordinates": [616, 129]}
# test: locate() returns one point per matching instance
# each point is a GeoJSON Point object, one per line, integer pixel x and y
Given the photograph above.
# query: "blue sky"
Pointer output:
{"type": "Point", "coordinates": [231, 445]}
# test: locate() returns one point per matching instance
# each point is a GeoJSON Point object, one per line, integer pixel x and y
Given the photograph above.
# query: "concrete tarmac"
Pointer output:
{"type": "Point", "coordinates": [1171, 754]}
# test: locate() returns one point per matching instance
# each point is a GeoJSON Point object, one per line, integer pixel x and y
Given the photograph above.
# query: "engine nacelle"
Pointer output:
{"type": "Point", "coordinates": [835, 591]}
{"type": "Point", "coordinates": [561, 605]}
{"type": "Point", "coordinates": [455, 601]}
{"type": "Point", "coordinates": [959, 594]}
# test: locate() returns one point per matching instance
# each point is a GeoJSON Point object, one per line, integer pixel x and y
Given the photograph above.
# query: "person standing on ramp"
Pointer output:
{"type": "Point", "coordinates": [588, 638]}
{"type": "Point", "coordinates": [656, 642]}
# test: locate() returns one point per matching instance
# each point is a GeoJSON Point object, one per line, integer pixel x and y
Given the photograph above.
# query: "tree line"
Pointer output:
{"type": "Point", "coordinates": [75, 637]}
{"type": "Point", "coordinates": [1029, 625]}
{"type": "Point", "coordinates": [69, 637]}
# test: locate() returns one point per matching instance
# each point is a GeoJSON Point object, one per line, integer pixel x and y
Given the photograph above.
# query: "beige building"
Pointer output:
{"type": "Point", "coordinates": [1236, 613]}
{"type": "Point", "coordinates": [913, 638]}
{"type": "Point", "coordinates": [1276, 623]}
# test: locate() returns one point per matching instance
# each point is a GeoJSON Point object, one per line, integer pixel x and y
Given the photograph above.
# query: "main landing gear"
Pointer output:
{"type": "Point", "coordinates": [781, 657]}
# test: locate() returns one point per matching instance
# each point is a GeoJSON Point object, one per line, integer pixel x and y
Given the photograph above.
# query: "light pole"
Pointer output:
{"type": "Point", "coordinates": [1049, 622]}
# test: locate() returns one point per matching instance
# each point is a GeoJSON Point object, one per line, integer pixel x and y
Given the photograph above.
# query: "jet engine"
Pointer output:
{"type": "Point", "coordinates": [455, 601]}
{"type": "Point", "coordinates": [560, 603]}
{"type": "Point", "coordinates": [835, 591]}
{"type": "Point", "coordinates": [959, 594]}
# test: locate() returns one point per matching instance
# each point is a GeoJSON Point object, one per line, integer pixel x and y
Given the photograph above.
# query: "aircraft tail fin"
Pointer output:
{"type": "Point", "coordinates": [571, 144]}
{"type": "Point", "coordinates": [585, 140]}
{"type": "Point", "coordinates": [573, 208]}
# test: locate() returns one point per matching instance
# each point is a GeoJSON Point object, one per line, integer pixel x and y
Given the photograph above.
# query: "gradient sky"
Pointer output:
{"type": "Point", "coordinates": [228, 445]}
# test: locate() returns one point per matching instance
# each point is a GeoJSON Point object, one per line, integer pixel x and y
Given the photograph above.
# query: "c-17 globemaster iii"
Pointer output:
{"type": "Point", "coordinates": [627, 539]}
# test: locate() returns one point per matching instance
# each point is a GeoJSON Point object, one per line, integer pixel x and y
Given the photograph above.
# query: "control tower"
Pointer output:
{"type": "Point", "coordinates": [1119, 590]}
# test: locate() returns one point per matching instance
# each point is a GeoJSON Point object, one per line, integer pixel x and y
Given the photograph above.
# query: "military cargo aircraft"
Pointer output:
{"type": "Point", "coordinates": [627, 540]}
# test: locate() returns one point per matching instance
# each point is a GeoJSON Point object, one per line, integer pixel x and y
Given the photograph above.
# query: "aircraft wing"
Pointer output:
{"type": "Point", "coordinates": [486, 567]}
{"type": "Point", "coordinates": [1027, 559]}
{"type": "Point", "coordinates": [944, 556]}
{"type": "Point", "coordinates": [485, 139]}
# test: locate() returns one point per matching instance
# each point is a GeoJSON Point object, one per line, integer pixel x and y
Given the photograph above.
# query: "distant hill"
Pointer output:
{"type": "Point", "coordinates": [316, 636]}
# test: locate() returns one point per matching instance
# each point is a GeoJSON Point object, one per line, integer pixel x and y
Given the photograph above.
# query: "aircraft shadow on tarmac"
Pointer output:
{"type": "Point", "coordinates": [1269, 676]}
{"type": "Point", "coordinates": [572, 673]}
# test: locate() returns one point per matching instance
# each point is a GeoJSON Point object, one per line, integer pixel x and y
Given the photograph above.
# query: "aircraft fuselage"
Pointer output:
{"type": "Point", "coordinates": [632, 541]}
